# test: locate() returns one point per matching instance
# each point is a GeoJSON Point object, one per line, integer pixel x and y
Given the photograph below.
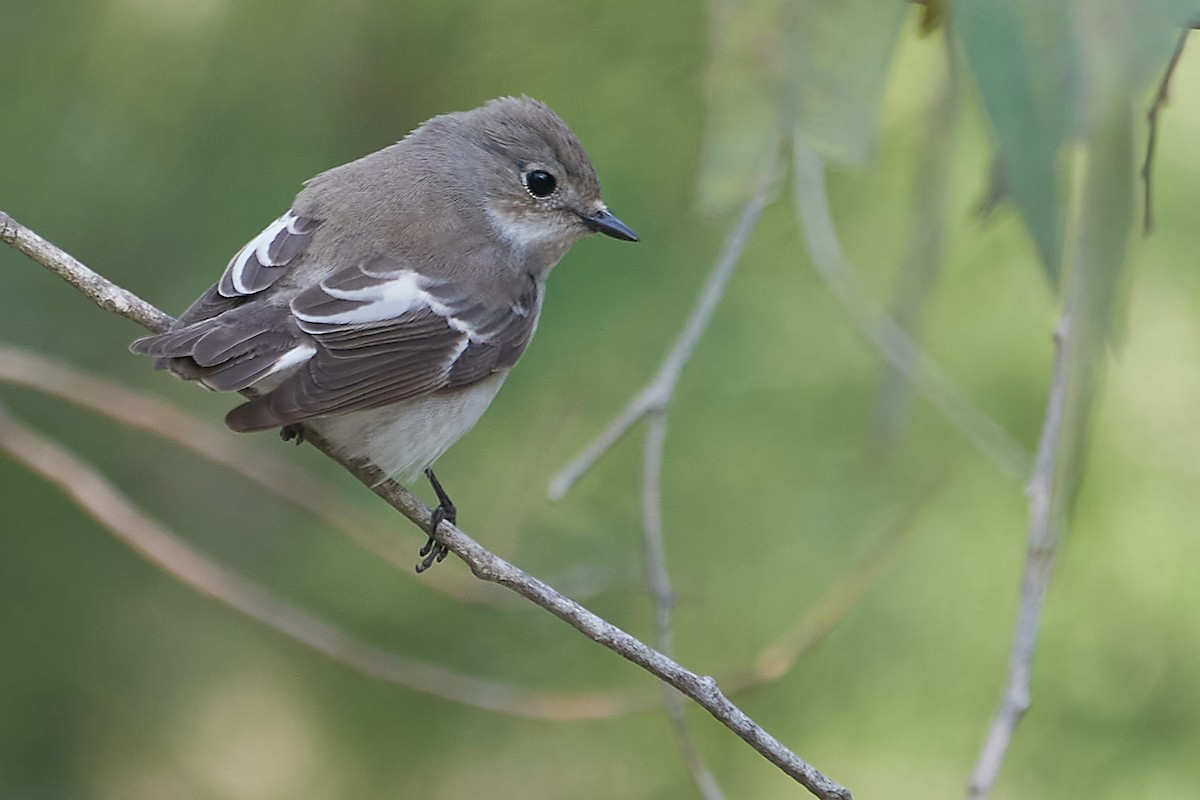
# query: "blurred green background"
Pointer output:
{"type": "Point", "coordinates": [152, 138]}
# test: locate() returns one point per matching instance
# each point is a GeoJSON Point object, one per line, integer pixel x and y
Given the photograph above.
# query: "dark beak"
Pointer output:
{"type": "Point", "coordinates": [603, 221]}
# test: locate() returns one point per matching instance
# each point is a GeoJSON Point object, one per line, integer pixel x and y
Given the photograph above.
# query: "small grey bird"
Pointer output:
{"type": "Point", "coordinates": [385, 308]}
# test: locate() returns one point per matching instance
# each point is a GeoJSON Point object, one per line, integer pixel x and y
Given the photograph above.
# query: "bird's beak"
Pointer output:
{"type": "Point", "coordinates": [603, 221]}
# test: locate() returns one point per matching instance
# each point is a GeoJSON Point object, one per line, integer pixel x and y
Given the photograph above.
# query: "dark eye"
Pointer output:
{"type": "Point", "coordinates": [540, 183]}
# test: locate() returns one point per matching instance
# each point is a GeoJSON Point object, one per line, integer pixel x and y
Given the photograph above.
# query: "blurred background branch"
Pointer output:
{"type": "Point", "coordinates": [889, 339]}
{"type": "Point", "coordinates": [1156, 106]}
{"type": "Point", "coordinates": [84, 485]}
{"type": "Point", "coordinates": [656, 395]}
{"type": "Point", "coordinates": [1045, 519]}
{"type": "Point", "coordinates": [658, 580]}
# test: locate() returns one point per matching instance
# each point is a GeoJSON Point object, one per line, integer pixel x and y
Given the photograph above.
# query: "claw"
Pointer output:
{"type": "Point", "coordinates": [293, 431]}
{"type": "Point", "coordinates": [434, 551]}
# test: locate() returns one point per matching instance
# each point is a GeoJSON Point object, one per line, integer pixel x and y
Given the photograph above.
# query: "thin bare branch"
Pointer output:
{"type": "Point", "coordinates": [102, 291]}
{"type": "Point", "coordinates": [1160, 100]}
{"type": "Point", "coordinates": [828, 258]}
{"type": "Point", "coordinates": [1044, 522]}
{"type": "Point", "coordinates": [484, 564]}
{"type": "Point", "coordinates": [657, 393]}
{"type": "Point", "coordinates": [835, 602]}
{"type": "Point", "coordinates": [920, 264]}
{"type": "Point", "coordinates": [659, 581]}
{"type": "Point", "coordinates": [1103, 215]}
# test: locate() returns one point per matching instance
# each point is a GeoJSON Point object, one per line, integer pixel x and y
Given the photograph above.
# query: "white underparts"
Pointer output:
{"type": "Point", "coordinates": [403, 439]}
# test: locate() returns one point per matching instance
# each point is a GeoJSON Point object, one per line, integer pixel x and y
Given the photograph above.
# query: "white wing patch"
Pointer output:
{"type": "Point", "coordinates": [292, 358]}
{"type": "Point", "coordinates": [379, 301]}
{"type": "Point", "coordinates": [463, 343]}
{"type": "Point", "coordinates": [385, 300]}
{"type": "Point", "coordinates": [233, 283]}
{"type": "Point", "coordinates": [297, 355]}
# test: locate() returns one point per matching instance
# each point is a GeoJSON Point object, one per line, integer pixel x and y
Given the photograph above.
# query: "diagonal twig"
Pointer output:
{"type": "Point", "coordinates": [658, 392]}
{"type": "Point", "coordinates": [836, 601]}
{"type": "Point", "coordinates": [484, 564]}
{"type": "Point", "coordinates": [1044, 521]}
{"type": "Point", "coordinates": [138, 410]}
{"type": "Point", "coordinates": [659, 581]}
{"type": "Point", "coordinates": [892, 342]}
{"type": "Point", "coordinates": [100, 290]}
{"type": "Point", "coordinates": [920, 263]}
{"type": "Point", "coordinates": [1160, 100]}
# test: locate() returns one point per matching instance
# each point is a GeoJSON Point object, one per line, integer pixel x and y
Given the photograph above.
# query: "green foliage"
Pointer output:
{"type": "Point", "coordinates": [1023, 59]}
{"type": "Point", "coordinates": [837, 110]}
{"type": "Point", "coordinates": [743, 101]}
{"type": "Point", "coordinates": [768, 75]}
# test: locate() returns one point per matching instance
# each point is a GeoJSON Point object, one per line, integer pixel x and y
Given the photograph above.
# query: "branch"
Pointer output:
{"type": "Point", "coordinates": [896, 346]}
{"type": "Point", "coordinates": [658, 392]}
{"type": "Point", "coordinates": [138, 410]}
{"type": "Point", "coordinates": [1044, 520]}
{"type": "Point", "coordinates": [1160, 100]}
{"type": "Point", "coordinates": [659, 581]}
{"type": "Point", "coordinates": [920, 263]}
{"type": "Point", "coordinates": [482, 563]}
{"type": "Point", "coordinates": [102, 291]}
{"type": "Point", "coordinates": [836, 601]}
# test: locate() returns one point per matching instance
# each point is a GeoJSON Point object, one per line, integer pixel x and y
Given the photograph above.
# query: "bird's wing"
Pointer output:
{"type": "Point", "coordinates": [382, 334]}
{"type": "Point", "coordinates": [264, 258]}
{"type": "Point", "coordinates": [226, 342]}
{"type": "Point", "coordinates": [367, 335]}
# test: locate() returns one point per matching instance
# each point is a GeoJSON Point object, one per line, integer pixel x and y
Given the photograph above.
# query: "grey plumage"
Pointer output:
{"type": "Point", "coordinates": [404, 284]}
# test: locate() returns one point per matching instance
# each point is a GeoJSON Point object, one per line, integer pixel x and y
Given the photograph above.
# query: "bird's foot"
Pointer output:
{"type": "Point", "coordinates": [294, 431]}
{"type": "Point", "coordinates": [434, 551]}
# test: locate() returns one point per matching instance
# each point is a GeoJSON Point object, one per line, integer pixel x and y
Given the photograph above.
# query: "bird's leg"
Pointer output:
{"type": "Point", "coordinates": [435, 551]}
{"type": "Point", "coordinates": [293, 431]}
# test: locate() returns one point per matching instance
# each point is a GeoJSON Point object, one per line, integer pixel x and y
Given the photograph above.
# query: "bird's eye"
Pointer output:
{"type": "Point", "coordinates": [540, 183]}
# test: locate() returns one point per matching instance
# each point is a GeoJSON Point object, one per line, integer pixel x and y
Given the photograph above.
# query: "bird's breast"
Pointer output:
{"type": "Point", "coordinates": [403, 439]}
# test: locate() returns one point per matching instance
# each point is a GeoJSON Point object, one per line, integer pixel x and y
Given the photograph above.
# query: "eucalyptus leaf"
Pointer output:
{"type": "Point", "coordinates": [1024, 58]}
{"type": "Point", "coordinates": [744, 113]}
{"type": "Point", "coordinates": [838, 56]}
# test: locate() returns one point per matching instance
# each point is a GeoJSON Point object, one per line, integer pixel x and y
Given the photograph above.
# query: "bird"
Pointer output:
{"type": "Point", "coordinates": [384, 310]}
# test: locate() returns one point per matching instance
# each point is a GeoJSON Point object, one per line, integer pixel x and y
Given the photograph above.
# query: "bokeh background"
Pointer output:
{"type": "Point", "coordinates": [151, 138]}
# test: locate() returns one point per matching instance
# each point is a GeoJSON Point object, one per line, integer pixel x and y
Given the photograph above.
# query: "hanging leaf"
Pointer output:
{"type": "Point", "coordinates": [1123, 45]}
{"type": "Point", "coordinates": [1023, 56]}
{"type": "Point", "coordinates": [742, 101]}
{"type": "Point", "coordinates": [838, 54]}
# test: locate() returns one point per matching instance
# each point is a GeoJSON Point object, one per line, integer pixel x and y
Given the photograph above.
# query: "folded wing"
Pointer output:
{"type": "Point", "coordinates": [368, 335]}
{"type": "Point", "coordinates": [383, 337]}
